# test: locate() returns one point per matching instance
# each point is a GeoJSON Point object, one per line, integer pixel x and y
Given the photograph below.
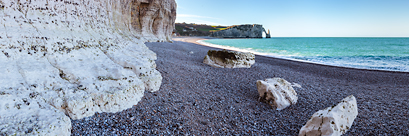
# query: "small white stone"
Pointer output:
{"type": "Point", "coordinates": [332, 121]}
{"type": "Point", "coordinates": [296, 85]}
{"type": "Point", "coordinates": [277, 92]}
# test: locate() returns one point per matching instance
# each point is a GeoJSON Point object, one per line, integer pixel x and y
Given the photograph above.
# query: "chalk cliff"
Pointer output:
{"type": "Point", "coordinates": [76, 57]}
{"type": "Point", "coordinates": [242, 31]}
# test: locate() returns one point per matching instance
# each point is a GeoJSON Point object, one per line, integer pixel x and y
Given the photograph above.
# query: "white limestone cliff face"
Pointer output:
{"type": "Point", "coordinates": [277, 92]}
{"type": "Point", "coordinates": [332, 121]}
{"type": "Point", "coordinates": [76, 57]}
{"type": "Point", "coordinates": [242, 31]}
{"type": "Point", "coordinates": [25, 116]}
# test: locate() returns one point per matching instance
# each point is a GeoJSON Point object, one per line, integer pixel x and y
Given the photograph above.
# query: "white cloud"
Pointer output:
{"type": "Point", "coordinates": [188, 18]}
{"type": "Point", "coordinates": [192, 16]}
{"type": "Point", "coordinates": [197, 21]}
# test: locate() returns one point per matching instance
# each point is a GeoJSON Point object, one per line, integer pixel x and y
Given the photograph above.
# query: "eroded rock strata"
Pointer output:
{"type": "Point", "coordinates": [242, 31]}
{"type": "Point", "coordinates": [75, 58]}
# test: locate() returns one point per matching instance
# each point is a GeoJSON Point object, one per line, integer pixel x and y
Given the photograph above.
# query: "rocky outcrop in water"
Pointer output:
{"type": "Point", "coordinates": [74, 58]}
{"type": "Point", "coordinates": [242, 31]}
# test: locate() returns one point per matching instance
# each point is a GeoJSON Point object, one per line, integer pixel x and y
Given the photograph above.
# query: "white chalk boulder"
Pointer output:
{"type": "Point", "coordinates": [229, 59]}
{"type": "Point", "coordinates": [332, 121]}
{"type": "Point", "coordinates": [277, 92]}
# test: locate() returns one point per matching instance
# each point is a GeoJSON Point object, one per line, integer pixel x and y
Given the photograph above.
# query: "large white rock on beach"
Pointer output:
{"type": "Point", "coordinates": [72, 58]}
{"type": "Point", "coordinates": [277, 92]}
{"type": "Point", "coordinates": [229, 59]}
{"type": "Point", "coordinates": [332, 121]}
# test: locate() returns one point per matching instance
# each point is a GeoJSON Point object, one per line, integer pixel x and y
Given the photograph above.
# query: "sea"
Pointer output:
{"type": "Point", "coordinates": [390, 54]}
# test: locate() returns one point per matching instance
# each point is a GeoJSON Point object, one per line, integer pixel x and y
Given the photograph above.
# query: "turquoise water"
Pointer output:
{"type": "Point", "coordinates": [390, 54]}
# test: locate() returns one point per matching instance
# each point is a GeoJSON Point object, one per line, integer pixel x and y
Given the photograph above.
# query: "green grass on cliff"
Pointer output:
{"type": "Point", "coordinates": [199, 29]}
{"type": "Point", "coordinates": [218, 29]}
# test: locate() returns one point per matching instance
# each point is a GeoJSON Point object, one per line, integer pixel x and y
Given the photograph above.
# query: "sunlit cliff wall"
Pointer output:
{"type": "Point", "coordinates": [72, 58]}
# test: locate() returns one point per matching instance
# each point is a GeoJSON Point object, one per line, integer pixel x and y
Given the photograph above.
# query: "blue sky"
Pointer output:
{"type": "Point", "coordinates": [304, 18]}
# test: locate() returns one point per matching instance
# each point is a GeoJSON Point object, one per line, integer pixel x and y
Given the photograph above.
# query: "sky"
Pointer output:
{"type": "Point", "coordinates": [304, 18]}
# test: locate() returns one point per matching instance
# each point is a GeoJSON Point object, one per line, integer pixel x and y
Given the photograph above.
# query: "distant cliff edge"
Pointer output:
{"type": "Point", "coordinates": [242, 31]}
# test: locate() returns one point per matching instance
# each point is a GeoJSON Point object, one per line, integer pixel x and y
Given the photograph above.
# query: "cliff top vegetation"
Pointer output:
{"type": "Point", "coordinates": [184, 29]}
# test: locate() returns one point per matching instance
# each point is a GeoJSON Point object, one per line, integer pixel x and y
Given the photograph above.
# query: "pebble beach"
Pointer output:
{"type": "Point", "coordinates": [196, 99]}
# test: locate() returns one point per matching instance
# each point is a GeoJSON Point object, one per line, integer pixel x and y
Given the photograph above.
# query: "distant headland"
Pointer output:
{"type": "Point", "coordinates": [235, 31]}
{"type": "Point", "coordinates": [242, 31]}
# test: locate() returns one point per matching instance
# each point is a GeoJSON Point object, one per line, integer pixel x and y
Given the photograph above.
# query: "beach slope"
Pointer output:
{"type": "Point", "coordinates": [198, 99]}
